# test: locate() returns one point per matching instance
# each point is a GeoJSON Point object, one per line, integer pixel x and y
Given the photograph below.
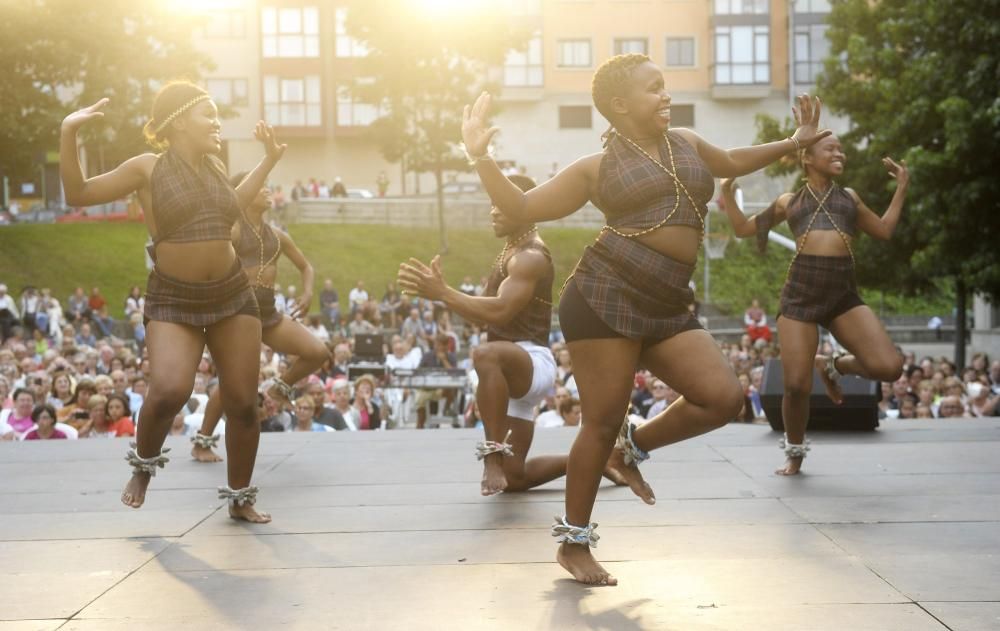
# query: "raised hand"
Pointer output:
{"type": "Point", "coordinates": [421, 280]}
{"type": "Point", "coordinates": [81, 117]}
{"type": "Point", "coordinates": [807, 119]}
{"type": "Point", "coordinates": [897, 171]}
{"type": "Point", "coordinates": [265, 134]}
{"type": "Point", "coordinates": [475, 133]}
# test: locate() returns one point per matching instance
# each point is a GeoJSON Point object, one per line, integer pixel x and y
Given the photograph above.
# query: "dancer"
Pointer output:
{"type": "Point", "coordinates": [197, 293]}
{"type": "Point", "coordinates": [820, 287]}
{"type": "Point", "coordinates": [515, 366]}
{"type": "Point", "coordinates": [627, 300]}
{"type": "Point", "coordinates": [259, 247]}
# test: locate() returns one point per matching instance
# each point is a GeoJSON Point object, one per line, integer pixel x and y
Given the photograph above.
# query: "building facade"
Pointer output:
{"type": "Point", "coordinates": [290, 62]}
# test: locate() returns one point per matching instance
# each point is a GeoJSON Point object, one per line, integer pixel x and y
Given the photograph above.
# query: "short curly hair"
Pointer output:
{"type": "Point", "coordinates": [611, 78]}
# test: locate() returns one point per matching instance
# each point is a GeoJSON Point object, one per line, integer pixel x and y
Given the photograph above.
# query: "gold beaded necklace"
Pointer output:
{"type": "Point", "coordinates": [260, 241]}
{"type": "Point", "coordinates": [820, 206]}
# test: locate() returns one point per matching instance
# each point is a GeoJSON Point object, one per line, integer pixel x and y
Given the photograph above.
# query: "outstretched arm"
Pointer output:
{"type": "Point", "coordinates": [562, 195]}
{"type": "Point", "coordinates": [255, 180]}
{"type": "Point", "coordinates": [745, 226]}
{"type": "Point", "coordinates": [882, 227]}
{"type": "Point", "coordinates": [744, 160]}
{"type": "Point", "coordinates": [126, 178]}
{"type": "Point", "coordinates": [294, 254]}
{"type": "Point", "coordinates": [524, 269]}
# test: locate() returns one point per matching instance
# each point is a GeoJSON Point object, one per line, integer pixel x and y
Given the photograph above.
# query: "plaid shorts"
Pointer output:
{"type": "Point", "coordinates": [819, 288]}
{"type": "Point", "coordinates": [638, 292]}
{"type": "Point", "coordinates": [269, 316]}
{"type": "Point", "coordinates": [199, 304]}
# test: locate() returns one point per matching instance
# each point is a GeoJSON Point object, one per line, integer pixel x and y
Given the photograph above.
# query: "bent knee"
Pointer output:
{"type": "Point", "coordinates": [797, 388]}
{"type": "Point", "coordinates": [729, 404]}
{"type": "Point", "coordinates": [317, 353]}
{"type": "Point", "coordinates": [888, 369]}
{"type": "Point", "coordinates": [484, 355]}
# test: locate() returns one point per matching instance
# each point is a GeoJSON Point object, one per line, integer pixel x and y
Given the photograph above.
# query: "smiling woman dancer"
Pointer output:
{"type": "Point", "coordinates": [627, 300]}
{"type": "Point", "coordinates": [820, 286]}
{"type": "Point", "coordinates": [259, 247]}
{"type": "Point", "coordinates": [197, 293]}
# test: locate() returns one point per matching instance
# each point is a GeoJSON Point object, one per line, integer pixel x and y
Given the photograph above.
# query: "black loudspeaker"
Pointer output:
{"type": "Point", "coordinates": [859, 411]}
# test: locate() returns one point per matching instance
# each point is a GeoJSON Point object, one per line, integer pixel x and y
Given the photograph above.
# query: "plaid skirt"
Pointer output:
{"type": "Point", "coordinates": [819, 288]}
{"type": "Point", "coordinates": [199, 304]}
{"type": "Point", "coordinates": [638, 292]}
{"type": "Point", "coordinates": [269, 316]}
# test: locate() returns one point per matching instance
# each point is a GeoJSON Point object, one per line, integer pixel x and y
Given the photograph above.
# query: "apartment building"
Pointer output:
{"type": "Point", "coordinates": [288, 61]}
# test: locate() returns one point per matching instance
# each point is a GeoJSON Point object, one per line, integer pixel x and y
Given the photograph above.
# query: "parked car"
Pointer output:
{"type": "Point", "coordinates": [463, 189]}
{"type": "Point", "coordinates": [360, 193]}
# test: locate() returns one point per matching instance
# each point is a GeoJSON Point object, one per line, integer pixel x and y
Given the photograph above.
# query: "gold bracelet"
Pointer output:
{"type": "Point", "coordinates": [795, 141]}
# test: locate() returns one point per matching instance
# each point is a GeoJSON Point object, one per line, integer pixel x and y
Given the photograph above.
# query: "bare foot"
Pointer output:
{"type": "Point", "coordinates": [205, 454]}
{"type": "Point", "coordinates": [832, 387]}
{"type": "Point", "coordinates": [135, 491]}
{"type": "Point", "coordinates": [792, 466]}
{"type": "Point", "coordinates": [614, 476]}
{"type": "Point", "coordinates": [494, 480]}
{"type": "Point", "coordinates": [630, 475]}
{"type": "Point", "coordinates": [578, 561]}
{"type": "Point", "coordinates": [248, 513]}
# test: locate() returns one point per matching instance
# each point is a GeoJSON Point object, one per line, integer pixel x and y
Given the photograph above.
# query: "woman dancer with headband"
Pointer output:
{"type": "Point", "coordinates": [197, 293]}
{"type": "Point", "coordinates": [259, 247]}
{"type": "Point", "coordinates": [627, 300]}
{"type": "Point", "coordinates": [820, 287]}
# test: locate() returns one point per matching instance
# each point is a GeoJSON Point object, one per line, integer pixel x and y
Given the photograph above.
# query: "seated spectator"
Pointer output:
{"type": "Point", "coordinates": [899, 389]}
{"type": "Point", "coordinates": [6, 402]}
{"type": "Point", "coordinates": [62, 390]}
{"type": "Point", "coordinates": [104, 384]}
{"type": "Point", "coordinates": [19, 418]}
{"type": "Point", "coordinates": [96, 301]}
{"type": "Point", "coordinates": [304, 412]}
{"type": "Point", "coordinates": [76, 411]}
{"type": "Point", "coordinates": [663, 396]}
{"type": "Point", "coordinates": [908, 406]}
{"type": "Point", "coordinates": [439, 358]}
{"type": "Point", "coordinates": [315, 326]}
{"type": "Point", "coordinates": [981, 403]}
{"type": "Point", "coordinates": [178, 427]}
{"type": "Point", "coordinates": [10, 317]}
{"type": "Point", "coordinates": [642, 398]}
{"type": "Point", "coordinates": [953, 387]}
{"type": "Point", "coordinates": [411, 329]}
{"type": "Point", "coordinates": [340, 390]}
{"type": "Point", "coordinates": [119, 415]}
{"type": "Point", "coordinates": [360, 326]}
{"type": "Point", "coordinates": [322, 413]}
{"type": "Point", "coordinates": [45, 424]}
{"type": "Point", "coordinates": [924, 411]}
{"type": "Point", "coordinates": [358, 297]}
{"type": "Point", "coordinates": [329, 303]}
{"type": "Point", "coordinates": [951, 407]}
{"type": "Point", "coordinates": [105, 323]}
{"type": "Point", "coordinates": [756, 322]}
{"type": "Point", "coordinates": [365, 412]}
{"type": "Point", "coordinates": [389, 307]}
{"type": "Point", "coordinates": [134, 302]}
{"type": "Point", "coordinates": [566, 415]}
{"type": "Point", "coordinates": [85, 337]}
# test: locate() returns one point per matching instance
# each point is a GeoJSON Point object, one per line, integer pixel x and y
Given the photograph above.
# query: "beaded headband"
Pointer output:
{"type": "Point", "coordinates": [180, 110]}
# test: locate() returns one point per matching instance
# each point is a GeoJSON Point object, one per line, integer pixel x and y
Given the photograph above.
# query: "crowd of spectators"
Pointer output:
{"type": "Point", "coordinates": [74, 372]}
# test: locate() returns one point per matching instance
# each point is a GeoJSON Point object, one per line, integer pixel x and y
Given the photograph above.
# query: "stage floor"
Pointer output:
{"type": "Point", "coordinates": [896, 529]}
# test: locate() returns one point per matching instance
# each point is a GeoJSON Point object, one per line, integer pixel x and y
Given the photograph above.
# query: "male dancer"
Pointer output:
{"type": "Point", "coordinates": [515, 366]}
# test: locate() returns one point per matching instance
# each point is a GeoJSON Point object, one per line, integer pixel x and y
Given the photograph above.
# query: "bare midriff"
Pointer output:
{"type": "Point", "coordinates": [267, 276]}
{"type": "Point", "coordinates": [678, 242]}
{"type": "Point", "coordinates": [824, 243]}
{"type": "Point", "coordinates": [197, 261]}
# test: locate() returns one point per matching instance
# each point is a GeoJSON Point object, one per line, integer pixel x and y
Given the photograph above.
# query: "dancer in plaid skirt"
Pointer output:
{"type": "Point", "coordinates": [259, 247]}
{"type": "Point", "coordinates": [626, 302]}
{"type": "Point", "coordinates": [820, 286]}
{"type": "Point", "coordinates": [197, 293]}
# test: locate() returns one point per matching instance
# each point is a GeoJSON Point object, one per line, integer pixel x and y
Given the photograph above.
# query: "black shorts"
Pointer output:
{"type": "Point", "coordinates": [578, 321]}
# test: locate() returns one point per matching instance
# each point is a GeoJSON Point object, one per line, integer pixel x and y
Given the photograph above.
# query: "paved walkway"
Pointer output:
{"type": "Point", "coordinates": [897, 529]}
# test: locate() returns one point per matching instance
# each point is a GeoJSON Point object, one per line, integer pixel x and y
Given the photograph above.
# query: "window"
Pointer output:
{"type": "Point", "coordinates": [352, 112]}
{"type": "Point", "coordinates": [680, 52]}
{"type": "Point", "coordinates": [574, 53]}
{"type": "Point", "coordinates": [228, 91]}
{"type": "Point", "coordinates": [290, 32]}
{"type": "Point", "coordinates": [681, 115]}
{"type": "Point", "coordinates": [742, 54]}
{"type": "Point", "coordinates": [742, 7]}
{"type": "Point", "coordinates": [811, 47]}
{"type": "Point", "coordinates": [346, 45]}
{"type": "Point", "coordinates": [575, 117]}
{"type": "Point", "coordinates": [638, 45]}
{"type": "Point", "coordinates": [523, 68]}
{"type": "Point", "coordinates": [225, 24]}
{"type": "Point", "coordinates": [293, 102]}
{"type": "Point", "coordinates": [812, 6]}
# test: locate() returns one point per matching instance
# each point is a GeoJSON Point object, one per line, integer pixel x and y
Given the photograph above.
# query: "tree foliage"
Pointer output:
{"type": "Point", "coordinates": [61, 54]}
{"type": "Point", "coordinates": [921, 81]}
{"type": "Point", "coordinates": [423, 67]}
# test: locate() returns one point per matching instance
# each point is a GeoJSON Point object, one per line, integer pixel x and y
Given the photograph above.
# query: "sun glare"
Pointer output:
{"type": "Point", "coordinates": [444, 7]}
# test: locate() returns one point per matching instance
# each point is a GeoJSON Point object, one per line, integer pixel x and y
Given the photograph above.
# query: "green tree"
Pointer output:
{"type": "Point", "coordinates": [423, 67]}
{"type": "Point", "coordinates": [921, 81]}
{"type": "Point", "coordinates": [62, 54]}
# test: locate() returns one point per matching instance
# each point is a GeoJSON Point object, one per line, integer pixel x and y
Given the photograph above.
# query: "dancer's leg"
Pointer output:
{"type": "Point", "coordinates": [873, 355]}
{"type": "Point", "coordinates": [174, 353]}
{"type": "Point", "coordinates": [525, 474]}
{"type": "Point", "coordinates": [288, 337]}
{"type": "Point", "coordinates": [235, 346]}
{"type": "Point", "coordinates": [604, 370]}
{"type": "Point", "coordinates": [505, 371]}
{"type": "Point", "coordinates": [213, 412]}
{"type": "Point", "coordinates": [798, 360]}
